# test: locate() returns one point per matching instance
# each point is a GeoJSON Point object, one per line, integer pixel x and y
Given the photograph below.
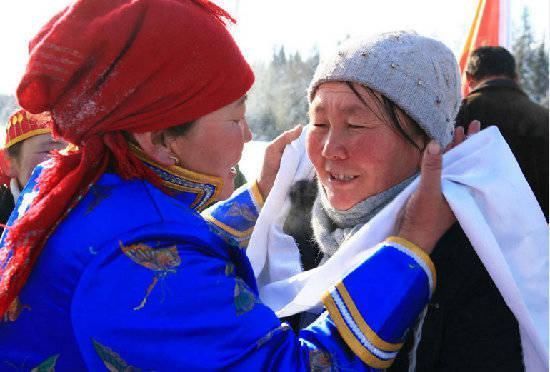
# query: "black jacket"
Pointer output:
{"type": "Point", "coordinates": [523, 124]}
{"type": "Point", "coordinates": [6, 205]}
{"type": "Point", "coordinates": [467, 327]}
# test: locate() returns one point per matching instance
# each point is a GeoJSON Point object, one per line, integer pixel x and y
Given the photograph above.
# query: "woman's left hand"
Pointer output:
{"type": "Point", "coordinates": [272, 159]}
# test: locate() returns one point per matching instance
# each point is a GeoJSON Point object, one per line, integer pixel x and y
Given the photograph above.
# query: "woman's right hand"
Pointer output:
{"type": "Point", "coordinates": [427, 215]}
{"type": "Point", "coordinates": [272, 159]}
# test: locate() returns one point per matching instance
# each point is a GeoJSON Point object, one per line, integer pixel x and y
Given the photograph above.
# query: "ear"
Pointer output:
{"type": "Point", "coordinates": [154, 145]}
{"type": "Point", "coordinates": [470, 81]}
{"type": "Point", "coordinates": [10, 167]}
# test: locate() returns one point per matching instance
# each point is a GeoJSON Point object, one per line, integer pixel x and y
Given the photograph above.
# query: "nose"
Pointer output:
{"type": "Point", "coordinates": [334, 147]}
{"type": "Point", "coordinates": [247, 134]}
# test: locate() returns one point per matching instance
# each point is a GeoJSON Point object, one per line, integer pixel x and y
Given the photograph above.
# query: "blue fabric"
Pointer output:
{"type": "Point", "coordinates": [134, 277]}
{"type": "Point", "coordinates": [234, 219]}
{"type": "Point", "coordinates": [388, 266]}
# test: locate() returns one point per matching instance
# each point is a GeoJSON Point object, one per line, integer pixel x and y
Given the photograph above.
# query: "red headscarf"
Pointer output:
{"type": "Point", "coordinates": [106, 66]}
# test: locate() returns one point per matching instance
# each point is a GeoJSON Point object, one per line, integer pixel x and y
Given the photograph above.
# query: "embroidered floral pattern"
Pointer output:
{"type": "Point", "coordinates": [229, 269]}
{"type": "Point", "coordinates": [160, 260]}
{"type": "Point", "coordinates": [243, 297]}
{"type": "Point", "coordinates": [319, 361]}
{"type": "Point", "coordinates": [205, 188]}
{"type": "Point", "coordinates": [14, 310]}
{"type": "Point", "coordinates": [269, 335]}
{"type": "Point", "coordinates": [112, 360]}
{"type": "Point", "coordinates": [243, 210]}
{"type": "Point", "coordinates": [48, 365]}
{"type": "Point", "coordinates": [206, 192]}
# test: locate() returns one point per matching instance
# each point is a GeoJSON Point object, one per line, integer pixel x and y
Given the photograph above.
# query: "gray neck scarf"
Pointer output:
{"type": "Point", "coordinates": [331, 227]}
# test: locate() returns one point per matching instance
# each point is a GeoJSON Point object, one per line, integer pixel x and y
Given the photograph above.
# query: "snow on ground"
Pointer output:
{"type": "Point", "coordinates": [252, 159]}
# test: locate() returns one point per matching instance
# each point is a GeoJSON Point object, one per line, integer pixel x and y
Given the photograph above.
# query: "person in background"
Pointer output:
{"type": "Point", "coordinates": [112, 259]}
{"type": "Point", "coordinates": [496, 98]}
{"type": "Point", "coordinates": [374, 105]}
{"type": "Point", "coordinates": [28, 142]}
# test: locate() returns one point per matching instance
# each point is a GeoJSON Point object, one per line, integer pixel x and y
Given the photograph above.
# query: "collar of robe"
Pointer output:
{"type": "Point", "coordinates": [194, 189]}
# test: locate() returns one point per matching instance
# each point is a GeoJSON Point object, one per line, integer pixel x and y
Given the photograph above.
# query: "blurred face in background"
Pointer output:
{"type": "Point", "coordinates": [356, 150]}
{"type": "Point", "coordinates": [31, 152]}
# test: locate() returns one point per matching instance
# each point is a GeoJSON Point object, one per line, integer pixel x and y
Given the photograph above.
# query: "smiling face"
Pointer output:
{"type": "Point", "coordinates": [214, 144]}
{"type": "Point", "coordinates": [355, 149]}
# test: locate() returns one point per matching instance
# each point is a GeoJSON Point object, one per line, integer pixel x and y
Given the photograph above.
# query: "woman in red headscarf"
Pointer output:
{"type": "Point", "coordinates": [108, 263]}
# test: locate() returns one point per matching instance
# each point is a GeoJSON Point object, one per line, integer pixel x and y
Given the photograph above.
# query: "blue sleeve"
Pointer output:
{"type": "Point", "coordinates": [234, 219]}
{"type": "Point", "coordinates": [156, 305]}
{"type": "Point", "coordinates": [374, 306]}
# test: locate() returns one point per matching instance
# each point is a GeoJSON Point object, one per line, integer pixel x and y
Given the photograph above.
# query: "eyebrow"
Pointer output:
{"type": "Point", "coordinates": [348, 109]}
{"type": "Point", "coordinates": [243, 99]}
{"type": "Point", "coordinates": [55, 142]}
{"type": "Point", "coordinates": [50, 142]}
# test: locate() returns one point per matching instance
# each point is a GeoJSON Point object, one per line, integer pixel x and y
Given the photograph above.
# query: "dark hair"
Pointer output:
{"type": "Point", "coordinates": [180, 130]}
{"type": "Point", "coordinates": [392, 110]}
{"type": "Point", "coordinates": [491, 60]}
{"type": "Point", "coordinates": [175, 131]}
{"type": "Point", "coordinates": [15, 150]}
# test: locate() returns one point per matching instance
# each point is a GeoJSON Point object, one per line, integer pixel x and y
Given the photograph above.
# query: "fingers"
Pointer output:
{"type": "Point", "coordinates": [272, 159]}
{"type": "Point", "coordinates": [458, 137]}
{"type": "Point", "coordinates": [427, 215]}
{"type": "Point", "coordinates": [430, 170]}
{"type": "Point", "coordinates": [285, 138]}
{"type": "Point", "coordinates": [473, 128]}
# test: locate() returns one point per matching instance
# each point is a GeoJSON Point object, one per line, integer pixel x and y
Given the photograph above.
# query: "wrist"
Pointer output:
{"type": "Point", "coordinates": [264, 186]}
{"type": "Point", "coordinates": [418, 252]}
{"type": "Point", "coordinates": [417, 239]}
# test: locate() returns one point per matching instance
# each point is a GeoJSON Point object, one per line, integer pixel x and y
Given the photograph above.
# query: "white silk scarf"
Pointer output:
{"type": "Point", "coordinates": [493, 203]}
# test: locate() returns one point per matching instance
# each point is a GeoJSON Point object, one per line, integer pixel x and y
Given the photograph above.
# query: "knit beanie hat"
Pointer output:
{"type": "Point", "coordinates": [419, 74]}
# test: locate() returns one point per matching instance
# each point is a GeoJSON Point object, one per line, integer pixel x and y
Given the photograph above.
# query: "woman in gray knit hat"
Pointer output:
{"type": "Point", "coordinates": [374, 106]}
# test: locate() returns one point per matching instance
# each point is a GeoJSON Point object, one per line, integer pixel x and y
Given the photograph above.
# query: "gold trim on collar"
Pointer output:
{"type": "Point", "coordinates": [202, 201]}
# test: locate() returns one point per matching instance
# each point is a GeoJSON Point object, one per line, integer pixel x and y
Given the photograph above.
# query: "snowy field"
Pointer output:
{"type": "Point", "coordinates": [251, 161]}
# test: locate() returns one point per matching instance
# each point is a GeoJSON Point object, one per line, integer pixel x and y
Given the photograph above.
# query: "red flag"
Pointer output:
{"type": "Point", "coordinates": [489, 27]}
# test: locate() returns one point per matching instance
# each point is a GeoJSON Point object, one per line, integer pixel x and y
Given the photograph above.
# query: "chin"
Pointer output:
{"type": "Point", "coordinates": [340, 204]}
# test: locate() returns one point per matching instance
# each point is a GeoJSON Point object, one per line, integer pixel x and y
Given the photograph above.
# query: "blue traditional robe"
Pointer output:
{"type": "Point", "coordinates": [135, 277]}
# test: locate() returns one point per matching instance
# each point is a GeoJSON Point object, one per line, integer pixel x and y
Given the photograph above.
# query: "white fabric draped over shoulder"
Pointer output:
{"type": "Point", "coordinates": [493, 203]}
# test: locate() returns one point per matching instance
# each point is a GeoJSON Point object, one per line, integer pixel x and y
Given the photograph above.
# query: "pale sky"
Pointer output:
{"type": "Point", "coordinates": [297, 24]}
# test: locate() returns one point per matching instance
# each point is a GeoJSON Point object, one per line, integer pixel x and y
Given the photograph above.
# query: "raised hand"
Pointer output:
{"type": "Point", "coordinates": [272, 159]}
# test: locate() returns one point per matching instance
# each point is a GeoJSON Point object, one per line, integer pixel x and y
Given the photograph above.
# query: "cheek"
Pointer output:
{"type": "Point", "coordinates": [314, 148]}
{"type": "Point", "coordinates": [230, 143]}
{"type": "Point", "coordinates": [369, 150]}
{"type": "Point", "coordinates": [224, 147]}
{"type": "Point", "coordinates": [27, 165]}
{"type": "Point", "coordinates": [32, 161]}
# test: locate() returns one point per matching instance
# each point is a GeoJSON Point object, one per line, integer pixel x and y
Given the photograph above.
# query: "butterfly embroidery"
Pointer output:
{"type": "Point", "coordinates": [243, 297]}
{"type": "Point", "coordinates": [14, 310]}
{"type": "Point", "coordinates": [162, 261]}
{"type": "Point", "coordinates": [47, 366]}
{"type": "Point", "coordinates": [113, 361]}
